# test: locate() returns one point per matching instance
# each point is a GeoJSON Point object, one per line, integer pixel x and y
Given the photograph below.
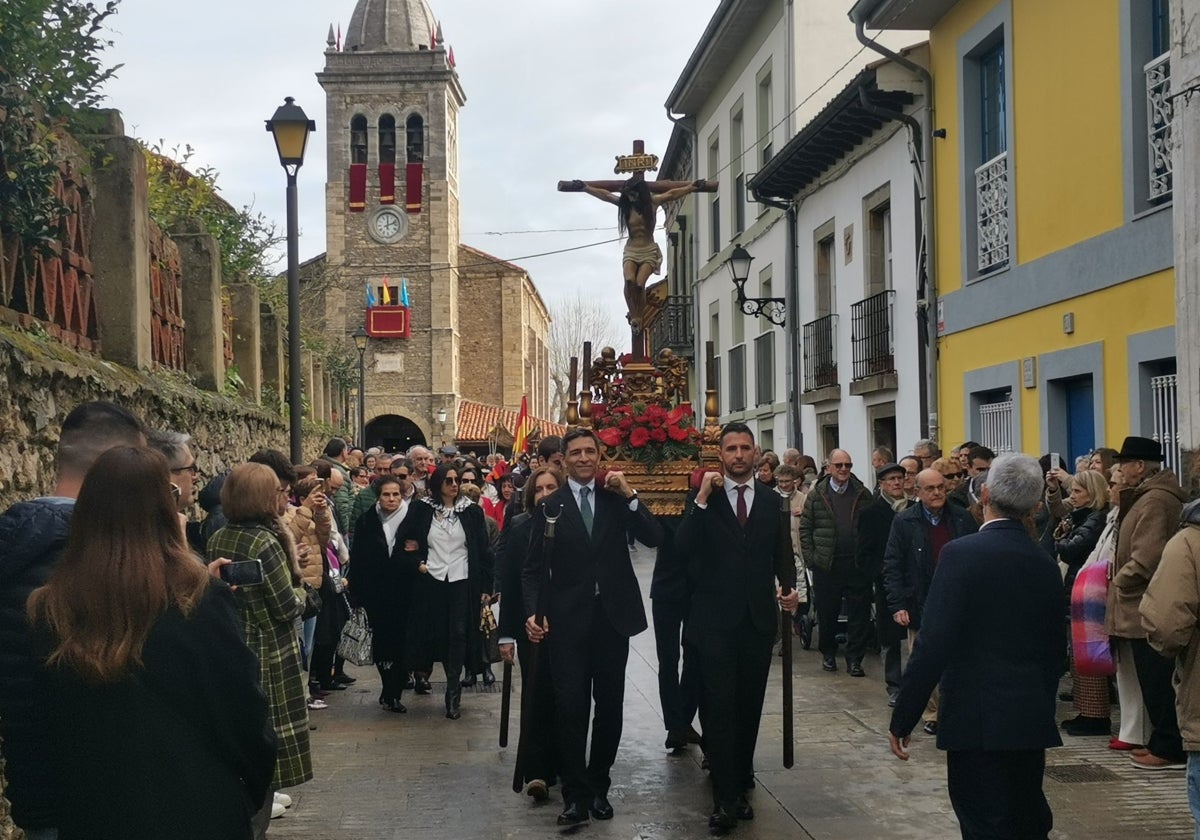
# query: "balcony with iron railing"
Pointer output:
{"type": "Point", "coordinates": [872, 344]}
{"type": "Point", "coordinates": [991, 213]}
{"type": "Point", "coordinates": [1159, 111]}
{"type": "Point", "coordinates": [819, 339]}
{"type": "Point", "coordinates": [673, 330]}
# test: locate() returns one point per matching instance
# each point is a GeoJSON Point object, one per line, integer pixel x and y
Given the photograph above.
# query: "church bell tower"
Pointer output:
{"type": "Point", "coordinates": [392, 212]}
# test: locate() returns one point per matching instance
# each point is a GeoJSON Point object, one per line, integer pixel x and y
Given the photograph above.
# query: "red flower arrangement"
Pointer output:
{"type": "Point", "coordinates": [647, 432]}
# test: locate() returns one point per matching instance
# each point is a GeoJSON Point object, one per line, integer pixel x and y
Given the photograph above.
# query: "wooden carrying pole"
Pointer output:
{"type": "Point", "coordinates": [785, 630]}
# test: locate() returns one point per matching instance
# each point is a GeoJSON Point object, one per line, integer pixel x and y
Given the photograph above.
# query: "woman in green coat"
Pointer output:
{"type": "Point", "coordinates": [252, 499]}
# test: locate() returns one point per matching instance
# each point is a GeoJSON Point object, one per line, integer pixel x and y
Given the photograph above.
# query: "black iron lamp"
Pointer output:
{"type": "Point", "coordinates": [773, 309]}
{"type": "Point", "coordinates": [360, 344]}
{"type": "Point", "coordinates": [290, 127]}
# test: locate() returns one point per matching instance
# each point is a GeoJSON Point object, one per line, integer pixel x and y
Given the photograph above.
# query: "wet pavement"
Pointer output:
{"type": "Point", "coordinates": [383, 775]}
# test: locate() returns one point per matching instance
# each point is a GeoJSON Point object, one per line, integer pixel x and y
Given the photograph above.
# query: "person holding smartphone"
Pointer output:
{"type": "Point", "coordinates": [155, 650]}
{"type": "Point", "coordinates": [254, 498]}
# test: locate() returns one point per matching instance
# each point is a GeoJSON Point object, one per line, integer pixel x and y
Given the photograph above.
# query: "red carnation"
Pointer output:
{"type": "Point", "coordinates": [610, 437]}
{"type": "Point", "coordinates": [658, 435]}
{"type": "Point", "coordinates": [643, 419]}
{"type": "Point", "coordinates": [638, 438]}
{"type": "Point", "coordinates": [656, 412]}
{"type": "Point", "coordinates": [678, 413]}
{"type": "Point", "coordinates": [625, 424]}
{"type": "Point", "coordinates": [598, 411]}
{"type": "Point", "coordinates": [677, 433]}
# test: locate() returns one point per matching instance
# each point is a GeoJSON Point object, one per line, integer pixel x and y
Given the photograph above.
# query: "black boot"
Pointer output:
{"type": "Point", "coordinates": [453, 699]}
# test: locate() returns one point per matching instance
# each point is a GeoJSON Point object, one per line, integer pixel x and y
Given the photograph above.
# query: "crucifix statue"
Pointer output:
{"type": "Point", "coordinates": [637, 203]}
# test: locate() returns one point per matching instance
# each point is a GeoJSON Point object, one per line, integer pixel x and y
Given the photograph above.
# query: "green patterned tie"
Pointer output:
{"type": "Point", "coordinates": [585, 507]}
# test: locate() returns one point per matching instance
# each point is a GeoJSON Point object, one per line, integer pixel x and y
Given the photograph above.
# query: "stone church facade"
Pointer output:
{"type": "Point", "coordinates": [478, 327]}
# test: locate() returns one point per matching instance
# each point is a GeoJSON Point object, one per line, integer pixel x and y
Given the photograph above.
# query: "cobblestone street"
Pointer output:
{"type": "Point", "coordinates": [382, 775]}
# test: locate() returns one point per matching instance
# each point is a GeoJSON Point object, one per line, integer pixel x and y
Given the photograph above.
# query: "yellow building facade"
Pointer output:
{"type": "Point", "coordinates": [1052, 221]}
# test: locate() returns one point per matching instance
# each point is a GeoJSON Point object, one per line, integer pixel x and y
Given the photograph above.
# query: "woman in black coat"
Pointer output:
{"type": "Point", "coordinates": [384, 557]}
{"type": "Point", "coordinates": [453, 582]}
{"type": "Point", "coordinates": [158, 726]}
{"type": "Point", "coordinates": [537, 711]}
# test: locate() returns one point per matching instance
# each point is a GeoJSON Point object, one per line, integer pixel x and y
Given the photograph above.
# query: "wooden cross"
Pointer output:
{"type": "Point", "coordinates": [637, 164]}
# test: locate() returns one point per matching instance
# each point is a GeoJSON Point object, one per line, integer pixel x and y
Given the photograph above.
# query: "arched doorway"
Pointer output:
{"type": "Point", "coordinates": [394, 433]}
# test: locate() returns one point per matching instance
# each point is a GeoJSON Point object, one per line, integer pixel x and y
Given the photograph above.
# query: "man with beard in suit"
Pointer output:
{"type": "Point", "coordinates": [732, 533]}
{"type": "Point", "coordinates": [594, 606]}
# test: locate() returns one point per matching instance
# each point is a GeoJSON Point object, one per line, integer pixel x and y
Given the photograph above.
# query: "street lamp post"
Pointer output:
{"type": "Point", "coordinates": [773, 309]}
{"type": "Point", "coordinates": [441, 418]}
{"type": "Point", "coordinates": [290, 127]}
{"type": "Point", "coordinates": [360, 342]}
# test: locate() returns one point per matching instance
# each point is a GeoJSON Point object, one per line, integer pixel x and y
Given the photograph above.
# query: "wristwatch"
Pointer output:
{"type": "Point", "coordinates": [632, 497]}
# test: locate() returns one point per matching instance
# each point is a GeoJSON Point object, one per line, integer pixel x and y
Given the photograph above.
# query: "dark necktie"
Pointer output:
{"type": "Point", "coordinates": [585, 508]}
{"type": "Point", "coordinates": [741, 506]}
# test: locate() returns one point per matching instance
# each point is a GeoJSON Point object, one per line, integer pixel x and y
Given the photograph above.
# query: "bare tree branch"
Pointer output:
{"type": "Point", "coordinates": [574, 321]}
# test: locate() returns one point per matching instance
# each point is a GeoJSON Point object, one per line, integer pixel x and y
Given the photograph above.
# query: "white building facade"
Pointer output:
{"type": "Point", "coordinates": [761, 68]}
{"type": "Point", "coordinates": [850, 175]}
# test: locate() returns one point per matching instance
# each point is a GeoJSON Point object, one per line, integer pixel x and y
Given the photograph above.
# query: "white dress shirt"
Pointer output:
{"type": "Point", "coordinates": [447, 560]}
{"type": "Point", "coordinates": [731, 493]}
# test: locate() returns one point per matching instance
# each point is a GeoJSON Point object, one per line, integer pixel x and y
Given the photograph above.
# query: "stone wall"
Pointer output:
{"type": "Point", "coordinates": [45, 380]}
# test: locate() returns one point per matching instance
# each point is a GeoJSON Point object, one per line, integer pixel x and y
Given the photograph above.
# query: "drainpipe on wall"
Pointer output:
{"type": "Point", "coordinates": [791, 296]}
{"type": "Point", "coordinates": [927, 296]}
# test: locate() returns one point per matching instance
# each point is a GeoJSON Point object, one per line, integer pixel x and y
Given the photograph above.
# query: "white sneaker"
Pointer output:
{"type": "Point", "coordinates": [277, 810]}
{"type": "Point", "coordinates": [283, 799]}
{"type": "Point", "coordinates": [317, 703]}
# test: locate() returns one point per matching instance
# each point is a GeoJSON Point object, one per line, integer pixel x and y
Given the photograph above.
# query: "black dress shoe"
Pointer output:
{"type": "Point", "coordinates": [601, 809]}
{"type": "Point", "coordinates": [488, 677]}
{"type": "Point", "coordinates": [1087, 726]}
{"type": "Point", "coordinates": [742, 809]}
{"type": "Point", "coordinates": [410, 683]}
{"type": "Point", "coordinates": [469, 681]}
{"type": "Point", "coordinates": [332, 686]}
{"type": "Point", "coordinates": [676, 740]}
{"type": "Point", "coordinates": [396, 706]}
{"type": "Point", "coordinates": [722, 820]}
{"type": "Point", "coordinates": [855, 669]}
{"type": "Point", "coordinates": [828, 663]}
{"type": "Point", "coordinates": [422, 686]}
{"type": "Point", "coordinates": [344, 679]}
{"type": "Point", "coordinates": [573, 814]}
{"type": "Point", "coordinates": [930, 727]}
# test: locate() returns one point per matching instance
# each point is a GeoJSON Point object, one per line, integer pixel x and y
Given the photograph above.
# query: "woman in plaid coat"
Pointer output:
{"type": "Point", "coordinates": [252, 499]}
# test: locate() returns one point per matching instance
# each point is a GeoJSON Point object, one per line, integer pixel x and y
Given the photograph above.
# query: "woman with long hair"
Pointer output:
{"type": "Point", "coordinates": [497, 508]}
{"type": "Point", "coordinates": [384, 557]}
{"type": "Point", "coordinates": [254, 499]}
{"type": "Point", "coordinates": [156, 715]}
{"type": "Point", "coordinates": [454, 580]}
{"type": "Point", "coordinates": [537, 711]}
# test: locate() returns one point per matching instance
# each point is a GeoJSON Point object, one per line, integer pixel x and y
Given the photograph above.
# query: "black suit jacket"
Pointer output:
{"type": "Point", "coordinates": [993, 633]}
{"type": "Point", "coordinates": [734, 569]}
{"type": "Point", "coordinates": [579, 562]}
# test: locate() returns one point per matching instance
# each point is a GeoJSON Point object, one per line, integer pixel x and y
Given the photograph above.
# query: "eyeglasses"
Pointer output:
{"type": "Point", "coordinates": [844, 466]}
{"type": "Point", "coordinates": [449, 480]}
{"type": "Point", "coordinates": [383, 470]}
{"type": "Point", "coordinates": [949, 476]}
{"type": "Point", "coordinates": [402, 475]}
{"type": "Point", "coordinates": [190, 468]}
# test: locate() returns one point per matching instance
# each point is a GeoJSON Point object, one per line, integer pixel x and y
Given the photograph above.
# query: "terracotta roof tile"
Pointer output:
{"type": "Point", "coordinates": [477, 420]}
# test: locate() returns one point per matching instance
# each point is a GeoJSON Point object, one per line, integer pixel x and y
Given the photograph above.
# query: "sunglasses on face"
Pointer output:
{"type": "Point", "coordinates": [953, 475]}
{"type": "Point", "coordinates": [845, 466]}
{"type": "Point", "coordinates": [450, 480]}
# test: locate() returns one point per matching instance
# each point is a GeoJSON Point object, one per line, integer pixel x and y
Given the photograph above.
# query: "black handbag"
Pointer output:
{"type": "Point", "coordinates": [490, 634]}
{"type": "Point", "coordinates": [312, 602]}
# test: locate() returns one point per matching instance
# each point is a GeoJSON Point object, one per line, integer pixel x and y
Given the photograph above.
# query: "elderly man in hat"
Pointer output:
{"type": "Point", "coordinates": [873, 528]}
{"type": "Point", "coordinates": [1151, 501]}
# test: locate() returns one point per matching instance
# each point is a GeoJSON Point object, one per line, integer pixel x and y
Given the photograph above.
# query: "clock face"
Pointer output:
{"type": "Point", "coordinates": [388, 225]}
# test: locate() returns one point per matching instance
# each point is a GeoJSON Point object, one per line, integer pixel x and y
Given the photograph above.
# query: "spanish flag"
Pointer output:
{"type": "Point", "coordinates": [521, 433]}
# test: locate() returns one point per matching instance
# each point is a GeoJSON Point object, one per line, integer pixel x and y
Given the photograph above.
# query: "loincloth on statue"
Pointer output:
{"type": "Point", "coordinates": [643, 255]}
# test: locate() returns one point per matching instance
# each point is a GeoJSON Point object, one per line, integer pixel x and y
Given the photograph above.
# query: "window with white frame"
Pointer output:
{"type": "Point", "coordinates": [714, 204]}
{"type": "Point", "coordinates": [991, 175]}
{"type": "Point", "coordinates": [737, 167]}
{"type": "Point", "coordinates": [764, 116]}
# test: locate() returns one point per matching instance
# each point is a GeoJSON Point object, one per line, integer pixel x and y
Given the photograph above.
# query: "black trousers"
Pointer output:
{"type": "Point", "coordinates": [537, 715]}
{"type": "Point", "coordinates": [588, 667]}
{"type": "Point", "coordinates": [1155, 673]}
{"type": "Point", "coordinates": [734, 665]}
{"type": "Point", "coordinates": [998, 795]}
{"type": "Point", "coordinates": [679, 695]}
{"type": "Point", "coordinates": [832, 587]}
{"type": "Point", "coordinates": [891, 635]}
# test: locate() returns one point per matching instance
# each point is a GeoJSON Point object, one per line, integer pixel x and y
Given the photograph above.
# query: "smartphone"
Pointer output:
{"type": "Point", "coordinates": [1056, 461]}
{"type": "Point", "coordinates": [242, 572]}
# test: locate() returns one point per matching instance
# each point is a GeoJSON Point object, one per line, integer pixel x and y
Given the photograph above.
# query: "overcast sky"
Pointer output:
{"type": "Point", "coordinates": [555, 89]}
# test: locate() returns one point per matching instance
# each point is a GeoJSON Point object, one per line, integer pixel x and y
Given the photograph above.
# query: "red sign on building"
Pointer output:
{"type": "Point", "coordinates": [388, 322]}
